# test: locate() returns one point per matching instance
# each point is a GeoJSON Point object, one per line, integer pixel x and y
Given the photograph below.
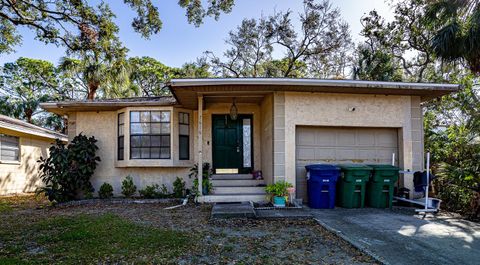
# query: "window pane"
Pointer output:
{"type": "Point", "coordinates": [135, 128]}
{"type": "Point", "coordinates": [155, 128]}
{"type": "Point", "coordinates": [165, 128]}
{"type": "Point", "coordinates": [165, 116]}
{"type": "Point", "coordinates": [145, 141]}
{"type": "Point", "coordinates": [135, 153]}
{"type": "Point", "coordinates": [156, 116]}
{"type": "Point", "coordinates": [120, 154]}
{"type": "Point", "coordinates": [145, 153]}
{"type": "Point", "coordinates": [184, 129]}
{"type": "Point", "coordinates": [134, 116]}
{"type": "Point", "coordinates": [136, 141]}
{"type": "Point", "coordinates": [184, 148]}
{"type": "Point", "coordinates": [120, 130]}
{"type": "Point", "coordinates": [120, 142]}
{"type": "Point", "coordinates": [165, 153]}
{"type": "Point", "coordinates": [145, 116]}
{"type": "Point", "coordinates": [155, 141]}
{"type": "Point", "coordinates": [186, 118]}
{"type": "Point", "coordinates": [165, 141]}
{"type": "Point", "coordinates": [155, 152]}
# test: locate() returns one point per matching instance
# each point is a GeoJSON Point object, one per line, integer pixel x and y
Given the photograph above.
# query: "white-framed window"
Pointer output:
{"type": "Point", "coordinates": [9, 148]}
{"type": "Point", "coordinates": [184, 136]}
{"type": "Point", "coordinates": [150, 135]}
{"type": "Point", "coordinates": [121, 136]}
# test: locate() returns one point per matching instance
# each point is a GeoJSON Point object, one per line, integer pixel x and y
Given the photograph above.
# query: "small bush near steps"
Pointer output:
{"type": "Point", "coordinates": [179, 188]}
{"type": "Point", "coordinates": [128, 187]}
{"type": "Point", "coordinates": [106, 191]}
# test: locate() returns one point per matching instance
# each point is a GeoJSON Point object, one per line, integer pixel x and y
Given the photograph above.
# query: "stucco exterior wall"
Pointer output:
{"type": "Point", "coordinates": [103, 125]}
{"type": "Point", "coordinates": [267, 138]}
{"type": "Point", "coordinates": [327, 109]}
{"type": "Point", "coordinates": [23, 176]}
{"type": "Point", "coordinates": [224, 108]}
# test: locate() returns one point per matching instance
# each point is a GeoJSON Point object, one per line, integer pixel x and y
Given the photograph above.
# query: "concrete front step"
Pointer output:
{"type": "Point", "coordinates": [233, 198]}
{"type": "Point", "coordinates": [238, 189]}
{"type": "Point", "coordinates": [231, 176]}
{"type": "Point", "coordinates": [238, 182]}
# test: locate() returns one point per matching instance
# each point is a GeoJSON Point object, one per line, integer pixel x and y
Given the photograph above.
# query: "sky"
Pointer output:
{"type": "Point", "coordinates": [179, 42]}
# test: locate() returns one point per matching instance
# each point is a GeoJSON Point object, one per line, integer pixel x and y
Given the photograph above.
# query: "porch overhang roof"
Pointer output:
{"type": "Point", "coordinates": [64, 107]}
{"type": "Point", "coordinates": [186, 91]}
{"type": "Point", "coordinates": [23, 127]}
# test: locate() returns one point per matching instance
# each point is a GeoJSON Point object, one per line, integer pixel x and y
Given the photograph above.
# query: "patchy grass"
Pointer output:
{"type": "Point", "coordinates": [113, 233]}
{"type": "Point", "coordinates": [21, 202]}
{"type": "Point", "coordinates": [90, 239]}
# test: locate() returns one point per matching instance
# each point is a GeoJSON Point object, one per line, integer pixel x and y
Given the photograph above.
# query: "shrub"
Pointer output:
{"type": "Point", "coordinates": [67, 171]}
{"type": "Point", "coordinates": [128, 187]}
{"type": "Point", "coordinates": [106, 191]}
{"type": "Point", "coordinates": [179, 188]}
{"type": "Point", "coordinates": [150, 191]}
{"type": "Point", "coordinates": [155, 191]}
{"type": "Point", "coordinates": [279, 188]}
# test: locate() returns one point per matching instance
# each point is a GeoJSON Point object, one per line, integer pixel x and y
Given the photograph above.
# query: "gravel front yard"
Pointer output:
{"type": "Point", "coordinates": [147, 233]}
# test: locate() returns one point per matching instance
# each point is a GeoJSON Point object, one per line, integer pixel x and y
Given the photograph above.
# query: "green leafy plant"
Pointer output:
{"type": "Point", "coordinates": [155, 191]}
{"type": "Point", "coordinates": [67, 171]}
{"type": "Point", "coordinates": [179, 188]}
{"type": "Point", "coordinates": [128, 187]}
{"type": "Point", "coordinates": [279, 188]}
{"type": "Point", "coordinates": [206, 174]}
{"type": "Point", "coordinates": [150, 191]}
{"type": "Point", "coordinates": [106, 191]}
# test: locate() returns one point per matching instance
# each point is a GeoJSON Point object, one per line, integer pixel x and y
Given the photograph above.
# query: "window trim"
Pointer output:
{"type": "Point", "coordinates": [120, 138]}
{"type": "Point", "coordinates": [150, 135]}
{"type": "Point", "coordinates": [19, 148]}
{"type": "Point", "coordinates": [180, 136]}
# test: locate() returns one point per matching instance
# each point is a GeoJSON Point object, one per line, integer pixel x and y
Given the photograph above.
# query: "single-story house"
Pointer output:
{"type": "Point", "coordinates": [242, 125]}
{"type": "Point", "coordinates": [21, 145]}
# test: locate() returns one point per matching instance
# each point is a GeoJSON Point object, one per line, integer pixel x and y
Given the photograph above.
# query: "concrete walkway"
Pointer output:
{"type": "Point", "coordinates": [401, 237]}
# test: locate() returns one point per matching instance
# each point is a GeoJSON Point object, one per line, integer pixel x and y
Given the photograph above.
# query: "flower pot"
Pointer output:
{"type": "Point", "coordinates": [279, 201]}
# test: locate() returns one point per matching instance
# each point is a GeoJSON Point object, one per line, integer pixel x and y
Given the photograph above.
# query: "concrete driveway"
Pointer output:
{"type": "Point", "coordinates": [401, 237]}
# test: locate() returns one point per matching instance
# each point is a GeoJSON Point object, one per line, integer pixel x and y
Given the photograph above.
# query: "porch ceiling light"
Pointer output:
{"type": "Point", "coordinates": [233, 111]}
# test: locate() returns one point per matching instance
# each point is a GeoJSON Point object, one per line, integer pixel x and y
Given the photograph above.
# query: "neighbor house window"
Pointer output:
{"type": "Point", "coordinates": [184, 136]}
{"type": "Point", "coordinates": [9, 148]}
{"type": "Point", "coordinates": [121, 137]}
{"type": "Point", "coordinates": [150, 134]}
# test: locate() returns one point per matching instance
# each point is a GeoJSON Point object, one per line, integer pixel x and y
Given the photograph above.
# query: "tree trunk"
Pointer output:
{"type": "Point", "coordinates": [28, 115]}
{"type": "Point", "coordinates": [92, 90]}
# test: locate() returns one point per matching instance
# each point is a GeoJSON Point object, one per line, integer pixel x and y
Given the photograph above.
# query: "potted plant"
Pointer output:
{"type": "Point", "coordinates": [279, 192]}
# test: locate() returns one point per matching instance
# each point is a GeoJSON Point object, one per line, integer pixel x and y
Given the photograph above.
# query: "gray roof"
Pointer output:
{"type": "Point", "coordinates": [310, 82]}
{"type": "Point", "coordinates": [28, 128]}
{"type": "Point", "coordinates": [61, 107]}
{"type": "Point", "coordinates": [186, 91]}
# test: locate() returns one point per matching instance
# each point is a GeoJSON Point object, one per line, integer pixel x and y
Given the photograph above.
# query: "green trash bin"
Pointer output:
{"type": "Point", "coordinates": [352, 185]}
{"type": "Point", "coordinates": [381, 185]}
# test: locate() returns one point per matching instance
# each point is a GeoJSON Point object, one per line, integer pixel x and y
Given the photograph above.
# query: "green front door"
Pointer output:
{"type": "Point", "coordinates": [232, 144]}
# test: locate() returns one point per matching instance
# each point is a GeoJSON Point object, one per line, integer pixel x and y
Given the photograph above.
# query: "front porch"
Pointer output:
{"type": "Point", "coordinates": [235, 147]}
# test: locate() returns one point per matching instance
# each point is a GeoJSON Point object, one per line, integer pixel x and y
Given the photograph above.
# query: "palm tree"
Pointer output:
{"type": "Point", "coordinates": [94, 74]}
{"type": "Point", "coordinates": [457, 25]}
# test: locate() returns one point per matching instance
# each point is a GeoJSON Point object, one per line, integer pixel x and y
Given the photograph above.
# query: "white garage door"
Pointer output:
{"type": "Point", "coordinates": [329, 145]}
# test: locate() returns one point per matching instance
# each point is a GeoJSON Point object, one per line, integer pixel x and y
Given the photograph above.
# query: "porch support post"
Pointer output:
{"type": "Point", "coordinates": [200, 144]}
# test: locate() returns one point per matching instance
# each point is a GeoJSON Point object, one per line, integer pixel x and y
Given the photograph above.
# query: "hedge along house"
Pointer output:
{"type": "Point", "coordinates": [21, 145]}
{"type": "Point", "coordinates": [241, 125]}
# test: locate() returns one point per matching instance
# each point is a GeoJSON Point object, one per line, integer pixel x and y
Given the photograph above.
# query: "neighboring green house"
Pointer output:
{"type": "Point", "coordinates": [21, 145]}
{"type": "Point", "coordinates": [241, 125]}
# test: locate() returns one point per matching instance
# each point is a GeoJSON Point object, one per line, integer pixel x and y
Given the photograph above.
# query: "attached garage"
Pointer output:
{"type": "Point", "coordinates": [335, 145]}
